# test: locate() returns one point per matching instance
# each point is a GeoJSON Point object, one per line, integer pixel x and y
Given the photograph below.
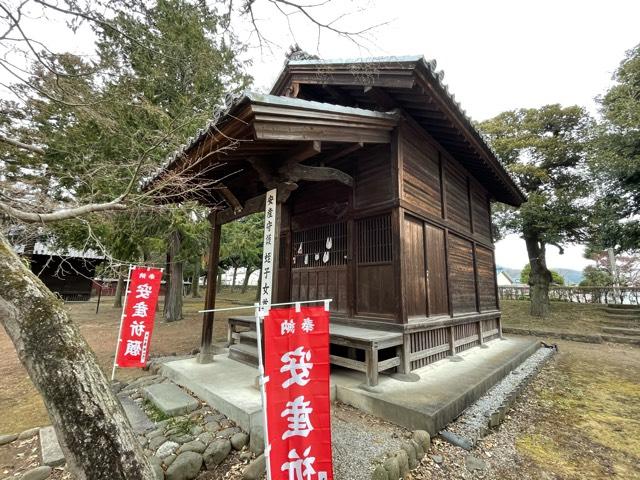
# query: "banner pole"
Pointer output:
{"type": "Point", "coordinates": [124, 306]}
{"type": "Point", "coordinates": [263, 394]}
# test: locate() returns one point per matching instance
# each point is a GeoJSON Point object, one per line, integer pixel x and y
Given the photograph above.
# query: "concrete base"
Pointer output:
{"type": "Point", "coordinates": [429, 403]}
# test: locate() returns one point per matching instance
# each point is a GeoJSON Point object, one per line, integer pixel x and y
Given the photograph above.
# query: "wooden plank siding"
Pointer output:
{"type": "Point", "coordinates": [461, 272]}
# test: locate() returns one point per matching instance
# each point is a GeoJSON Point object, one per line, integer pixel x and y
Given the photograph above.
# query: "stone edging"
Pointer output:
{"type": "Point", "coordinates": [576, 337]}
{"type": "Point", "coordinates": [399, 463]}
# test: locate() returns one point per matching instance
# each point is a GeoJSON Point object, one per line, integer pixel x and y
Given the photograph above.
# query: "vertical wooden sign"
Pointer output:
{"type": "Point", "coordinates": [268, 250]}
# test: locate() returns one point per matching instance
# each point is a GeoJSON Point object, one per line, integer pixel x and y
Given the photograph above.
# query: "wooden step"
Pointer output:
{"type": "Point", "coordinates": [246, 354]}
{"type": "Point", "coordinates": [248, 338]}
{"type": "Point", "coordinates": [622, 331]}
{"type": "Point", "coordinates": [621, 339]}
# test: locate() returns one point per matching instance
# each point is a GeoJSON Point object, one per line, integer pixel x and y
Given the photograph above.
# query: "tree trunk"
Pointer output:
{"type": "Point", "coordinates": [195, 283]}
{"type": "Point", "coordinates": [259, 286]}
{"type": "Point", "coordinates": [93, 431]}
{"type": "Point", "coordinates": [233, 281]}
{"type": "Point", "coordinates": [539, 278]}
{"type": "Point", "coordinates": [117, 300]}
{"type": "Point", "coordinates": [173, 295]}
{"type": "Point", "coordinates": [245, 283]}
{"type": "Point", "coordinates": [219, 282]}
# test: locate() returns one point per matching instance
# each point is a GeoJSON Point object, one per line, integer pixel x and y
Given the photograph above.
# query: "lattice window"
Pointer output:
{"type": "Point", "coordinates": [374, 239]}
{"type": "Point", "coordinates": [323, 246]}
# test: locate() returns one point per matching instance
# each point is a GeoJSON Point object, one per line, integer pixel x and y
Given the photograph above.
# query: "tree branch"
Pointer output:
{"type": "Point", "coordinates": [19, 144]}
{"type": "Point", "coordinates": [64, 214]}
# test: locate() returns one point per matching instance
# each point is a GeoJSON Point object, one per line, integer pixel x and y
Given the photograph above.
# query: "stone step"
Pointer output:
{"type": "Point", "coordinates": [622, 331]}
{"type": "Point", "coordinates": [247, 354]}
{"type": "Point", "coordinates": [170, 399]}
{"type": "Point", "coordinates": [609, 322]}
{"type": "Point", "coordinates": [628, 311]}
{"type": "Point", "coordinates": [619, 306]}
{"type": "Point", "coordinates": [622, 315]}
{"type": "Point", "coordinates": [621, 339]}
{"type": "Point", "coordinates": [50, 450]}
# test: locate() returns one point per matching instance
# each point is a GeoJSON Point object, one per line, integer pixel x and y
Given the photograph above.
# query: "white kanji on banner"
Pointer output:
{"type": "Point", "coordinates": [298, 364]}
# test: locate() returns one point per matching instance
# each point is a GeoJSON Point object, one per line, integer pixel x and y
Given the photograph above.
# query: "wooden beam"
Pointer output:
{"type": "Point", "coordinates": [302, 153]}
{"type": "Point", "coordinates": [206, 348]}
{"type": "Point", "coordinates": [342, 98]}
{"type": "Point", "coordinates": [343, 153]}
{"type": "Point", "coordinates": [319, 174]}
{"type": "Point", "coordinates": [264, 170]}
{"type": "Point", "coordinates": [229, 197]}
{"type": "Point", "coordinates": [381, 97]}
{"type": "Point", "coordinates": [255, 204]}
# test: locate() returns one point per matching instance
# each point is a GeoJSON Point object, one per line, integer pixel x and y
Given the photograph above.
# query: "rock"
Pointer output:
{"type": "Point", "coordinates": [256, 441]}
{"type": "Point", "coordinates": [170, 399]}
{"type": "Point", "coordinates": [196, 430]}
{"type": "Point", "coordinates": [156, 464]}
{"type": "Point", "coordinates": [411, 453]}
{"type": "Point", "coordinates": [456, 440]}
{"type": "Point", "coordinates": [246, 456]}
{"type": "Point", "coordinates": [166, 449]}
{"type": "Point", "coordinates": [185, 467]}
{"type": "Point", "coordinates": [212, 426]}
{"type": "Point", "coordinates": [193, 446]}
{"type": "Point", "coordinates": [474, 463]}
{"type": "Point", "coordinates": [379, 473]}
{"type": "Point", "coordinates": [155, 443]}
{"type": "Point", "coordinates": [239, 440]}
{"type": "Point", "coordinates": [4, 439]}
{"type": "Point", "coordinates": [437, 459]}
{"type": "Point", "coordinates": [39, 473]}
{"type": "Point", "coordinates": [206, 438]}
{"type": "Point", "coordinates": [227, 432]}
{"type": "Point", "coordinates": [214, 417]}
{"type": "Point", "coordinates": [255, 469]}
{"type": "Point", "coordinates": [154, 433]}
{"type": "Point", "coordinates": [422, 438]}
{"type": "Point", "coordinates": [169, 460]}
{"type": "Point", "coordinates": [392, 468]}
{"type": "Point", "coordinates": [50, 448]}
{"type": "Point", "coordinates": [418, 448]}
{"type": "Point", "coordinates": [181, 438]}
{"type": "Point", "coordinates": [32, 432]}
{"type": "Point", "coordinates": [216, 452]}
{"type": "Point", "coordinates": [403, 462]}
{"type": "Point", "coordinates": [226, 423]}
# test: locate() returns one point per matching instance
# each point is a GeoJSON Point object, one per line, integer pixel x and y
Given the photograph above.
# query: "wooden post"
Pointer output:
{"type": "Point", "coordinates": [206, 348]}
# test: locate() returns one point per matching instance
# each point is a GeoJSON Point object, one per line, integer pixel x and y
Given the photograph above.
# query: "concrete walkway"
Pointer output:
{"type": "Point", "coordinates": [444, 390]}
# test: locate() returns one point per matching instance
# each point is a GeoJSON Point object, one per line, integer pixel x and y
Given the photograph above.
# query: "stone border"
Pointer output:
{"type": "Point", "coordinates": [399, 463]}
{"type": "Point", "coordinates": [576, 337]}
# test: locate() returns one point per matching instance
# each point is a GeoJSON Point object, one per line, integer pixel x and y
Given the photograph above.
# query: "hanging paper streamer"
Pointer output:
{"type": "Point", "coordinates": [329, 243]}
{"type": "Point", "coordinates": [316, 257]}
{"type": "Point", "coordinates": [294, 259]}
{"type": "Point", "coordinates": [325, 257]}
{"type": "Point", "coordinates": [300, 249]}
{"type": "Point", "coordinates": [306, 259]}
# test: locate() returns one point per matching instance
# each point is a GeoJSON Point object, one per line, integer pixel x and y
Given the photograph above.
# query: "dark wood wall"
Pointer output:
{"type": "Point", "coordinates": [448, 264]}
{"type": "Point", "coordinates": [410, 241]}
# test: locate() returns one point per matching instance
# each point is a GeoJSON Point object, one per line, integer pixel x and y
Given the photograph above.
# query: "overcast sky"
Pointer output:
{"type": "Point", "coordinates": [496, 54]}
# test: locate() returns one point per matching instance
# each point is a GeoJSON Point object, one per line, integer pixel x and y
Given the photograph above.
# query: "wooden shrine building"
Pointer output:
{"type": "Point", "coordinates": [384, 193]}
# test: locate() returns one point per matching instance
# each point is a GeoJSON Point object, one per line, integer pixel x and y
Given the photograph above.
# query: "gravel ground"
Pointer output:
{"type": "Point", "coordinates": [358, 439]}
{"type": "Point", "coordinates": [475, 418]}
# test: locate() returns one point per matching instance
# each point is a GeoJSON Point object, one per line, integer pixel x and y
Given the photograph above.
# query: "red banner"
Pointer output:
{"type": "Point", "coordinates": [138, 316]}
{"type": "Point", "coordinates": [297, 392]}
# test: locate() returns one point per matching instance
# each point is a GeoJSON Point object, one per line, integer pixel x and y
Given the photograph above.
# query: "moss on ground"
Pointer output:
{"type": "Point", "coordinates": [564, 317]}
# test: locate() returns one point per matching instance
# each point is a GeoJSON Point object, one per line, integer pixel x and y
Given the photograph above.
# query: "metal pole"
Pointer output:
{"type": "Point", "coordinates": [246, 307]}
{"type": "Point", "coordinates": [124, 306]}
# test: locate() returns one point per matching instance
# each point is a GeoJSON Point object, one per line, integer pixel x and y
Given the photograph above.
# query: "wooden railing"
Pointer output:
{"type": "Point", "coordinates": [601, 295]}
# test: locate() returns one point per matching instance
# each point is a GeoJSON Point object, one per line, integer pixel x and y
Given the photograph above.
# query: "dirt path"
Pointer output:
{"type": "Point", "coordinates": [20, 403]}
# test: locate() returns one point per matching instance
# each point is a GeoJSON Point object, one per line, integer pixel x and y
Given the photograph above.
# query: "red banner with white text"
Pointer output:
{"type": "Point", "coordinates": [297, 392]}
{"type": "Point", "coordinates": [138, 317]}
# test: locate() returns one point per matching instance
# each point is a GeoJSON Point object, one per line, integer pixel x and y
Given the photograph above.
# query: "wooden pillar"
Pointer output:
{"type": "Point", "coordinates": [206, 348]}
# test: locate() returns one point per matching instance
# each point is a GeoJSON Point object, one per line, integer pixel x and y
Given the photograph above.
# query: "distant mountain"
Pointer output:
{"type": "Point", "coordinates": [571, 277]}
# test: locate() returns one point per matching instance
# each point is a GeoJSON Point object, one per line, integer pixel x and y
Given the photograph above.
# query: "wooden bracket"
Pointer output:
{"type": "Point", "coordinates": [319, 174]}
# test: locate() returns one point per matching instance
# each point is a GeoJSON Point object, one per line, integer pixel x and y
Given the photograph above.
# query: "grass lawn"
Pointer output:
{"type": "Point", "coordinates": [565, 317]}
{"type": "Point", "coordinates": [20, 403]}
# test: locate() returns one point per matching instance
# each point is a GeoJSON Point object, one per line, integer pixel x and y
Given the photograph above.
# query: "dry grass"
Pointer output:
{"type": "Point", "coordinates": [20, 403]}
{"type": "Point", "coordinates": [565, 317]}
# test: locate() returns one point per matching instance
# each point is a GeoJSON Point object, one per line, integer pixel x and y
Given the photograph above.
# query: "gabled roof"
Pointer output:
{"type": "Point", "coordinates": [412, 84]}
